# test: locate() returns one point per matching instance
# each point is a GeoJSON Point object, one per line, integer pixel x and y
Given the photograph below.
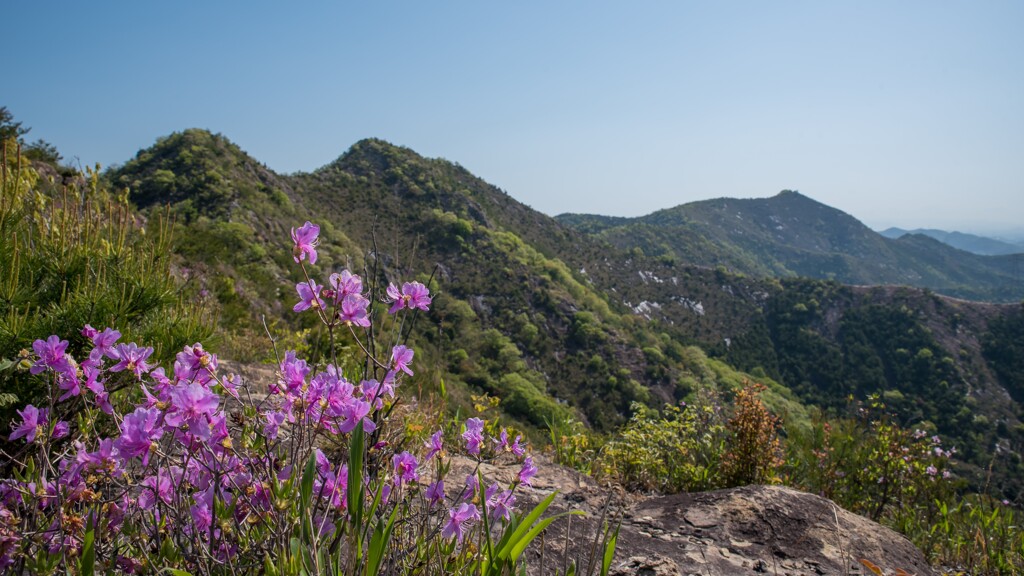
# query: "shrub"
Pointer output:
{"type": "Point", "coordinates": [74, 255]}
{"type": "Point", "coordinates": [871, 465]}
{"type": "Point", "coordinates": [677, 450]}
{"type": "Point", "coordinates": [753, 452]}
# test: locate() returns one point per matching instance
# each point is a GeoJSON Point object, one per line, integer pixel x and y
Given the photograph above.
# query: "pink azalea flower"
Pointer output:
{"type": "Point", "coordinates": [472, 485]}
{"type": "Point", "coordinates": [435, 445]}
{"type": "Point", "coordinates": [412, 295]}
{"type": "Point", "coordinates": [517, 448]}
{"type": "Point", "coordinates": [354, 310]}
{"type": "Point", "coordinates": [527, 472]}
{"type": "Point", "coordinates": [355, 412]}
{"type": "Point", "coordinates": [308, 297]}
{"type": "Point", "coordinates": [274, 420]}
{"type": "Point", "coordinates": [67, 380]}
{"type": "Point", "coordinates": [405, 468]}
{"type": "Point", "coordinates": [201, 511]}
{"type": "Point", "coordinates": [499, 502]}
{"type": "Point", "coordinates": [92, 379]}
{"type": "Point", "coordinates": [104, 342]}
{"type": "Point", "coordinates": [231, 384]}
{"type": "Point", "coordinates": [293, 373]}
{"type": "Point", "coordinates": [458, 518]}
{"type": "Point", "coordinates": [102, 458]}
{"type": "Point", "coordinates": [193, 364]}
{"type": "Point", "coordinates": [131, 357]}
{"type": "Point", "coordinates": [32, 421]}
{"type": "Point", "coordinates": [305, 239]}
{"type": "Point", "coordinates": [156, 488]}
{"type": "Point", "coordinates": [51, 355]}
{"type": "Point", "coordinates": [191, 405]}
{"type": "Point", "coordinates": [401, 357]}
{"type": "Point", "coordinates": [335, 487]}
{"type": "Point", "coordinates": [139, 430]}
{"type": "Point", "coordinates": [502, 441]}
{"type": "Point", "coordinates": [435, 493]}
{"type": "Point", "coordinates": [374, 391]}
{"type": "Point", "coordinates": [346, 283]}
{"type": "Point", "coordinates": [60, 429]}
{"type": "Point", "coordinates": [473, 435]}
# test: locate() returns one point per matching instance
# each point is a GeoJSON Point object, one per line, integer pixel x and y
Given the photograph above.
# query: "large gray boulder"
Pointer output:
{"type": "Point", "coordinates": [750, 530]}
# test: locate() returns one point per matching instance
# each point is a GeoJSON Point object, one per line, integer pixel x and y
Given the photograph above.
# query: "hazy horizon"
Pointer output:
{"type": "Point", "coordinates": [901, 114]}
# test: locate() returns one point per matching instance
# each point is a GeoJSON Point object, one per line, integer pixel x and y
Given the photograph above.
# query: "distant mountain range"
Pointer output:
{"type": "Point", "coordinates": [584, 315]}
{"type": "Point", "coordinates": [792, 235]}
{"type": "Point", "coordinates": [968, 242]}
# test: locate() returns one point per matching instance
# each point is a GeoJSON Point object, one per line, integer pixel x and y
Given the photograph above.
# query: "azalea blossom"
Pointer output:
{"type": "Point", "coordinates": [473, 435]}
{"type": "Point", "coordinates": [405, 468]}
{"type": "Point", "coordinates": [195, 364]}
{"type": "Point", "coordinates": [104, 341]}
{"type": "Point", "coordinates": [354, 310]}
{"type": "Point", "coordinates": [435, 493]}
{"type": "Point", "coordinates": [32, 421]}
{"type": "Point", "coordinates": [527, 472]}
{"type": "Point", "coordinates": [517, 448]}
{"type": "Point", "coordinates": [131, 357]}
{"type": "Point", "coordinates": [499, 502]}
{"type": "Point", "coordinates": [156, 488]}
{"type": "Point", "coordinates": [472, 485]}
{"type": "Point", "coordinates": [458, 518]}
{"type": "Point", "coordinates": [434, 445]}
{"type": "Point", "coordinates": [139, 430]}
{"type": "Point", "coordinates": [345, 284]}
{"type": "Point", "coordinates": [293, 373]}
{"type": "Point", "coordinates": [274, 420]}
{"type": "Point", "coordinates": [60, 429]}
{"type": "Point", "coordinates": [308, 297]}
{"type": "Point", "coordinates": [401, 357]}
{"type": "Point", "coordinates": [374, 391]}
{"type": "Point", "coordinates": [306, 239]}
{"type": "Point", "coordinates": [189, 404]}
{"type": "Point", "coordinates": [51, 355]}
{"type": "Point", "coordinates": [412, 295]}
{"type": "Point", "coordinates": [101, 459]}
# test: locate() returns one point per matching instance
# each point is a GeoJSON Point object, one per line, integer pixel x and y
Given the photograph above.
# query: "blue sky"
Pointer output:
{"type": "Point", "coordinates": [900, 113]}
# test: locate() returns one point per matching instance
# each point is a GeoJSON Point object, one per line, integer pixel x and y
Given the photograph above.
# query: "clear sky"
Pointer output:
{"type": "Point", "coordinates": [901, 113]}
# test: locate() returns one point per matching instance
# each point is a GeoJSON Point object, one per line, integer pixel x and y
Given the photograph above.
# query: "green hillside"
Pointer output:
{"type": "Point", "coordinates": [558, 323]}
{"type": "Point", "coordinates": [792, 235]}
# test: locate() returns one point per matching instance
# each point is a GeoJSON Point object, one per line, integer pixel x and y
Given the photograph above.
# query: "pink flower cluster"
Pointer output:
{"type": "Point", "coordinates": [350, 306]}
{"type": "Point", "coordinates": [181, 462]}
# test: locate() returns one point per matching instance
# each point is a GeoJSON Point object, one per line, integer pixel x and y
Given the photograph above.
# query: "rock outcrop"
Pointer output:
{"type": "Point", "coordinates": [750, 530]}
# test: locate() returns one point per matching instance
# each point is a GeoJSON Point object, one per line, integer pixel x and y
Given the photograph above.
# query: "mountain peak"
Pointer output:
{"type": "Point", "coordinates": [790, 194]}
{"type": "Point", "coordinates": [194, 165]}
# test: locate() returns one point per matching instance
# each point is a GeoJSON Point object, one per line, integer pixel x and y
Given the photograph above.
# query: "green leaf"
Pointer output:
{"type": "Point", "coordinates": [379, 543]}
{"type": "Point", "coordinates": [520, 546]}
{"type": "Point", "coordinates": [305, 498]}
{"type": "Point", "coordinates": [524, 526]}
{"type": "Point", "coordinates": [306, 488]}
{"type": "Point", "coordinates": [609, 552]}
{"type": "Point", "coordinates": [87, 563]}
